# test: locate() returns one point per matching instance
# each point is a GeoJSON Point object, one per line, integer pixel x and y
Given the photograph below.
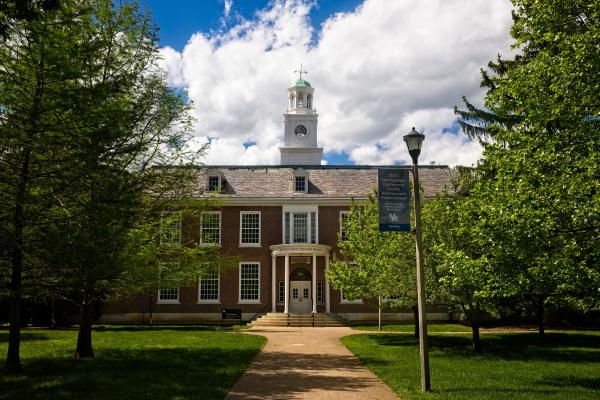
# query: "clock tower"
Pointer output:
{"type": "Point", "coordinates": [300, 123]}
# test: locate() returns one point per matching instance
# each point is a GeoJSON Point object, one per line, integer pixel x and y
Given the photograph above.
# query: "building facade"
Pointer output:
{"type": "Point", "coordinates": [284, 223]}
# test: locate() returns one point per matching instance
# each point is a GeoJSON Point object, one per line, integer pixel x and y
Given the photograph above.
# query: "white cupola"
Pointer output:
{"type": "Point", "coordinates": [300, 125]}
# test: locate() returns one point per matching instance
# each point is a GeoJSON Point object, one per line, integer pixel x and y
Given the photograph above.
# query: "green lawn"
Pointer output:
{"type": "Point", "coordinates": [131, 363]}
{"type": "Point", "coordinates": [411, 328]}
{"type": "Point", "coordinates": [512, 366]}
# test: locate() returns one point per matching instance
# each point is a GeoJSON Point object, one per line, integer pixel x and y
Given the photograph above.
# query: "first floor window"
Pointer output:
{"type": "Point", "coordinates": [319, 291]}
{"type": "Point", "coordinates": [167, 293]}
{"type": "Point", "coordinates": [250, 282]}
{"type": "Point", "coordinates": [170, 227]}
{"type": "Point", "coordinates": [209, 285]}
{"type": "Point", "coordinates": [281, 292]}
{"type": "Point", "coordinates": [170, 295]}
{"type": "Point", "coordinates": [210, 227]}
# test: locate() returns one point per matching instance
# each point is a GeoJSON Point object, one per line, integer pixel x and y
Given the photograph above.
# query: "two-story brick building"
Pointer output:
{"type": "Point", "coordinates": [283, 222]}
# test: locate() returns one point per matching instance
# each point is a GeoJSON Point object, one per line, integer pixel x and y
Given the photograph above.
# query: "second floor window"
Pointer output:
{"type": "Point", "coordinates": [344, 216]}
{"type": "Point", "coordinates": [300, 227]}
{"type": "Point", "coordinates": [210, 227]}
{"type": "Point", "coordinates": [170, 227]}
{"type": "Point", "coordinates": [249, 228]}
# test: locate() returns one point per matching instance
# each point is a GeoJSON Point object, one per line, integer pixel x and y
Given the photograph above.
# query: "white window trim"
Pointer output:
{"type": "Point", "coordinates": [162, 214]}
{"type": "Point", "coordinates": [220, 230]}
{"type": "Point", "coordinates": [299, 208]}
{"type": "Point", "coordinates": [259, 229]}
{"type": "Point", "coordinates": [218, 300]}
{"type": "Point", "coordinates": [342, 213]}
{"type": "Point", "coordinates": [322, 292]}
{"type": "Point", "coordinates": [344, 301]}
{"type": "Point", "coordinates": [240, 301]}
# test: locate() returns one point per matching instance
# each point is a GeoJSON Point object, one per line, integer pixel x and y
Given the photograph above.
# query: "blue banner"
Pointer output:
{"type": "Point", "coordinates": [393, 194]}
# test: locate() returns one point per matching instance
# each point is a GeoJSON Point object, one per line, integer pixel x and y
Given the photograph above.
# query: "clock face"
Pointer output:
{"type": "Point", "coordinates": [301, 131]}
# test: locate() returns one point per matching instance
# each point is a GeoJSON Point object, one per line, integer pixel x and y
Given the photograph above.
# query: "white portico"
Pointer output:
{"type": "Point", "coordinates": [300, 291]}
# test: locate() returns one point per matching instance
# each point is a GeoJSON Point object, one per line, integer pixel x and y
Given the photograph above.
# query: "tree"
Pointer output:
{"type": "Point", "coordinates": [374, 264]}
{"type": "Point", "coordinates": [539, 194]}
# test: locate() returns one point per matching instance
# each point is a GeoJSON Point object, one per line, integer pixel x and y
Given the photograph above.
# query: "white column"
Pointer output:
{"type": "Point", "coordinates": [314, 284]}
{"type": "Point", "coordinates": [286, 308]}
{"type": "Point", "coordinates": [327, 301]}
{"type": "Point", "coordinates": [274, 282]}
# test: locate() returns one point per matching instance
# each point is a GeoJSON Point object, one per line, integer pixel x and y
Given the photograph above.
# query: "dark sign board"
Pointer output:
{"type": "Point", "coordinates": [394, 199]}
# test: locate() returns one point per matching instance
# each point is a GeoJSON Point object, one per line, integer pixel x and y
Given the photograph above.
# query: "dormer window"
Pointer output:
{"type": "Point", "coordinates": [214, 183]}
{"type": "Point", "coordinates": [300, 184]}
{"type": "Point", "coordinates": [300, 181]}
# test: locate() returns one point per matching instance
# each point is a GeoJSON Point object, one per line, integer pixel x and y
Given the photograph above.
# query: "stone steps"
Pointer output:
{"type": "Point", "coordinates": [300, 320]}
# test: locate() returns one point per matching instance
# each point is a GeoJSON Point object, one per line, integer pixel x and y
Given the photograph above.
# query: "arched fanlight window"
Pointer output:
{"type": "Point", "coordinates": [300, 102]}
{"type": "Point", "coordinates": [309, 101]}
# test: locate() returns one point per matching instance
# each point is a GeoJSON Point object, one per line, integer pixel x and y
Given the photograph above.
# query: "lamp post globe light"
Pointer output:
{"type": "Point", "coordinates": [414, 141]}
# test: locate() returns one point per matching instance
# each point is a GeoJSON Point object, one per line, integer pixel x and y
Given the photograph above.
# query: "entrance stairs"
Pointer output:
{"type": "Point", "coordinates": [300, 320]}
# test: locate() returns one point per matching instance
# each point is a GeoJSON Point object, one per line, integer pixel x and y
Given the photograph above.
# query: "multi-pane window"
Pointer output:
{"type": "Point", "coordinates": [300, 227]}
{"type": "Point", "coordinates": [210, 227]}
{"type": "Point", "coordinates": [249, 282]}
{"type": "Point", "coordinates": [170, 227]}
{"type": "Point", "coordinates": [208, 287]}
{"type": "Point", "coordinates": [300, 184]}
{"type": "Point", "coordinates": [281, 292]}
{"type": "Point", "coordinates": [167, 294]}
{"type": "Point", "coordinates": [319, 291]}
{"type": "Point", "coordinates": [250, 228]}
{"type": "Point", "coordinates": [214, 183]}
{"type": "Point", "coordinates": [300, 221]}
{"type": "Point", "coordinates": [344, 216]}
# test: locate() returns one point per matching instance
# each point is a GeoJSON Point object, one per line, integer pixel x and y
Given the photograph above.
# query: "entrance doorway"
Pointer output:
{"type": "Point", "coordinates": [300, 298]}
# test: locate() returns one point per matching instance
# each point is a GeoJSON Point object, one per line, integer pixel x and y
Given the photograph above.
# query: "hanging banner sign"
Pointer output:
{"type": "Point", "coordinates": [393, 194]}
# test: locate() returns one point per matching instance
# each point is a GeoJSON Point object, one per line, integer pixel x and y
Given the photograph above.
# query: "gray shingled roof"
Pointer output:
{"type": "Point", "coordinates": [325, 181]}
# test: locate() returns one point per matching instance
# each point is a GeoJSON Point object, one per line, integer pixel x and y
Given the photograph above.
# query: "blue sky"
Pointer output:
{"type": "Point", "coordinates": [378, 67]}
{"type": "Point", "coordinates": [179, 19]}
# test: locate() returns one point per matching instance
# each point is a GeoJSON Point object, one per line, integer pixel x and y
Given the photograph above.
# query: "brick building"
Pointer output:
{"type": "Point", "coordinates": [283, 222]}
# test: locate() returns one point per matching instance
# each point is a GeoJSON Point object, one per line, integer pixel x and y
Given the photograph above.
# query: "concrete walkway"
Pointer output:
{"type": "Point", "coordinates": [307, 363]}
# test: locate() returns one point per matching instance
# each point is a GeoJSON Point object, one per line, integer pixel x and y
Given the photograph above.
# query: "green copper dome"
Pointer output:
{"type": "Point", "coordinates": [302, 82]}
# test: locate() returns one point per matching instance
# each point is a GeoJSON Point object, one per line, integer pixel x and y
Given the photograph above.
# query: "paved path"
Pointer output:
{"type": "Point", "coordinates": [307, 363]}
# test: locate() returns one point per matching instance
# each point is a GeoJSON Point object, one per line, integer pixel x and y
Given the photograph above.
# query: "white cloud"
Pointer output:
{"type": "Point", "coordinates": [377, 71]}
{"type": "Point", "coordinates": [227, 7]}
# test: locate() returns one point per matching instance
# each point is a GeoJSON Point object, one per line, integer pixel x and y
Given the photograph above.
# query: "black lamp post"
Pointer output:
{"type": "Point", "coordinates": [414, 140]}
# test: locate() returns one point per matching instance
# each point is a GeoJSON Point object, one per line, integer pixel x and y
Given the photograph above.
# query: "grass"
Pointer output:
{"type": "Point", "coordinates": [132, 362]}
{"type": "Point", "coordinates": [511, 366]}
{"type": "Point", "coordinates": [409, 328]}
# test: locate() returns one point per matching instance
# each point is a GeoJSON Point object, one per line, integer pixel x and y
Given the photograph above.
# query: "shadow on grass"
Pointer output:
{"type": "Point", "coordinates": [571, 380]}
{"type": "Point", "coordinates": [206, 373]}
{"type": "Point", "coordinates": [25, 337]}
{"type": "Point", "coordinates": [559, 347]}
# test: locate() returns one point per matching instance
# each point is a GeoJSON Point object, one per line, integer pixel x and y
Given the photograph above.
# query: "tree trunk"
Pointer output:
{"type": "Point", "coordinates": [540, 320]}
{"type": "Point", "coordinates": [379, 313]}
{"type": "Point", "coordinates": [476, 340]}
{"type": "Point", "coordinates": [13, 359]}
{"type": "Point", "coordinates": [84, 337]}
{"type": "Point", "coordinates": [415, 310]}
